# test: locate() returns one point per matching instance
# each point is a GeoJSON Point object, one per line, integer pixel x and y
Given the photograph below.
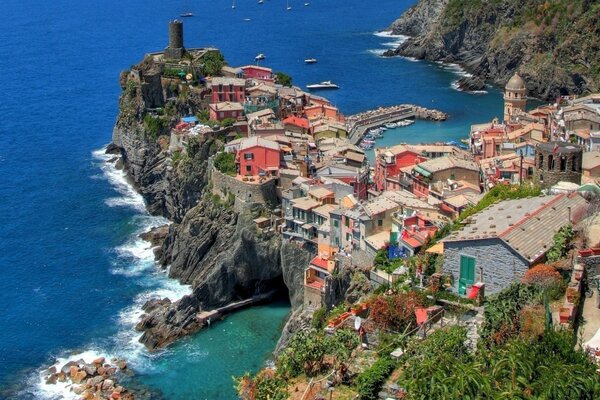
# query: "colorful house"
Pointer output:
{"type": "Point", "coordinates": [258, 156]}
{"type": "Point", "coordinates": [296, 125]}
{"type": "Point", "coordinates": [227, 89]}
{"type": "Point", "coordinates": [388, 164]}
{"type": "Point", "coordinates": [442, 169]}
{"type": "Point", "coordinates": [357, 177]}
{"type": "Point", "coordinates": [409, 232]}
{"type": "Point", "coordinates": [256, 72]}
{"type": "Point", "coordinates": [226, 109]}
{"type": "Point", "coordinates": [315, 278]}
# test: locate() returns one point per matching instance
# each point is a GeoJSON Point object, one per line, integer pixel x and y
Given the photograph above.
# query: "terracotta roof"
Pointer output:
{"type": "Point", "coordinates": [320, 192]}
{"type": "Point", "coordinates": [227, 106]}
{"type": "Point", "coordinates": [324, 210]}
{"type": "Point", "coordinates": [305, 203]}
{"type": "Point", "coordinates": [293, 120]}
{"type": "Point", "coordinates": [319, 262]}
{"type": "Point", "coordinates": [447, 162]}
{"type": "Point", "coordinates": [379, 205]}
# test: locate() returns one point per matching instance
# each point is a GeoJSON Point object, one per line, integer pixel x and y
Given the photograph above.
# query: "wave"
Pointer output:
{"type": "Point", "coordinates": [129, 197]}
{"type": "Point", "coordinates": [454, 85]}
{"type": "Point", "coordinates": [134, 259]}
{"type": "Point", "coordinates": [377, 52]}
{"type": "Point", "coordinates": [398, 39]}
{"type": "Point", "coordinates": [454, 68]}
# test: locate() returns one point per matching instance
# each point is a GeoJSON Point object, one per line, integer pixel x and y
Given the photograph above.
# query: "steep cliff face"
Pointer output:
{"type": "Point", "coordinates": [169, 190]}
{"type": "Point", "coordinates": [553, 45]}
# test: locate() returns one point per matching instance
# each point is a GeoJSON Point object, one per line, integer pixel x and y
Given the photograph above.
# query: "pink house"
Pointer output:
{"type": "Point", "coordinates": [256, 72]}
{"type": "Point", "coordinates": [220, 111]}
{"type": "Point", "coordinates": [258, 156]}
{"type": "Point", "coordinates": [227, 89]}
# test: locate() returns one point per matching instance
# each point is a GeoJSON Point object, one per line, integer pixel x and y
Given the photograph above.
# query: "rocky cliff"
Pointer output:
{"type": "Point", "coordinates": [553, 45]}
{"type": "Point", "coordinates": [210, 246]}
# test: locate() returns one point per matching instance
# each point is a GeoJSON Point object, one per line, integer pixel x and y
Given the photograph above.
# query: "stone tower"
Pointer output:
{"type": "Point", "coordinates": [515, 97]}
{"type": "Point", "coordinates": [556, 162]}
{"type": "Point", "coordinates": [175, 50]}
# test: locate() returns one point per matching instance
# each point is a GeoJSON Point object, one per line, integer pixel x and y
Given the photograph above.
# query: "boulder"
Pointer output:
{"type": "Point", "coordinates": [110, 371]}
{"type": "Point", "coordinates": [119, 389]}
{"type": "Point", "coordinates": [87, 395]}
{"type": "Point", "coordinates": [66, 369]}
{"type": "Point", "coordinates": [90, 369]}
{"type": "Point", "coordinates": [79, 377]}
{"type": "Point", "coordinates": [101, 370]}
{"type": "Point", "coordinates": [156, 235]}
{"type": "Point", "coordinates": [77, 389]}
{"type": "Point", "coordinates": [52, 370]}
{"type": "Point", "coordinates": [115, 395]}
{"type": "Point", "coordinates": [51, 380]}
{"type": "Point", "coordinates": [98, 361]}
{"type": "Point", "coordinates": [108, 384]}
{"type": "Point", "coordinates": [73, 371]}
{"type": "Point", "coordinates": [62, 377]}
{"type": "Point", "coordinates": [122, 364]}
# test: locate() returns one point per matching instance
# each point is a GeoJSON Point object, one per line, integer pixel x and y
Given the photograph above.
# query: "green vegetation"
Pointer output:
{"type": "Point", "coordinates": [203, 116]}
{"type": "Point", "coordinates": [225, 163]}
{"type": "Point", "coordinates": [173, 73]}
{"type": "Point", "coordinates": [562, 238]}
{"type": "Point", "coordinates": [283, 79]}
{"type": "Point", "coordinates": [369, 382]}
{"type": "Point", "coordinates": [266, 385]}
{"type": "Point", "coordinates": [212, 62]}
{"type": "Point", "coordinates": [227, 122]}
{"type": "Point", "coordinates": [154, 125]}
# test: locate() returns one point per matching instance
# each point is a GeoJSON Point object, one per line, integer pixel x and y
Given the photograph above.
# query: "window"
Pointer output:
{"type": "Point", "coordinates": [550, 162]}
{"type": "Point", "coordinates": [220, 87]}
{"type": "Point", "coordinates": [230, 96]}
{"type": "Point", "coordinates": [563, 164]}
{"type": "Point", "coordinates": [541, 161]}
{"type": "Point", "coordinates": [347, 237]}
{"type": "Point", "coordinates": [248, 156]}
{"type": "Point", "coordinates": [347, 222]}
{"type": "Point", "coordinates": [248, 168]}
{"type": "Point", "coordinates": [221, 115]}
{"type": "Point", "coordinates": [336, 223]}
{"type": "Point", "coordinates": [379, 222]}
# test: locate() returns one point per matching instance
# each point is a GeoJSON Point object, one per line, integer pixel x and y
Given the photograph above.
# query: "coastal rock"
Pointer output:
{"type": "Point", "coordinates": [99, 361]}
{"type": "Point", "coordinates": [122, 364]}
{"type": "Point", "coordinates": [79, 376]}
{"type": "Point", "coordinates": [493, 40]}
{"type": "Point", "coordinates": [156, 235]}
{"type": "Point", "coordinates": [470, 84]}
{"type": "Point", "coordinates": [108, 384]}
{"type": "Point", "coordinates": [51, 380]}
{"type": "Point", "coordinates": [90, 369]}
{"type": "Point", "coordinates": [66, 369]}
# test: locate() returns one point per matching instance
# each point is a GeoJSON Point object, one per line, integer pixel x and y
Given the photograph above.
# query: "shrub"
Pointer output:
{"type": "Point", "coordinates": [562, 238]}
{"type": "Point", "coordinates": [397, 311]}
{"type": "Point", "coordinates": [547, 279]}
{"type": "Point", "coordinates": [370, 381]}
{"type": "Point", "coordinates": [319, 318]}
{"type": "Point", "coordinates": [283, 79]}
{"type": "Point", "coordinates": [225, 163]}
{"type": "Point", "coordinates": [153, 125]}
{"type": "Point", "coordinates": [265, 385]}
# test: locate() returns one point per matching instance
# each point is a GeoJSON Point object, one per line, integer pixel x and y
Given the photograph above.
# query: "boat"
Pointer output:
{"type": "Point", "coordinates": [288, 6]}
{"type": "Point", "coordinates": [310, 60]}
{"type": "Point", "coordinates": [323, 85]}
{"type": "Point", "coordinates": [232, 4]}
{"type": "Point", "coordinates": [187, 14]}
{"type": "Point", "coordinates": [391, 125]}
{"type": "Point", "coordinates": [261, 56]}
{"type": "Point", "coordinates": [382, 128]}
{"type": "Point", "coordinates": [261, 1]}
{"type": "Point", "coordinates": [306, 4]}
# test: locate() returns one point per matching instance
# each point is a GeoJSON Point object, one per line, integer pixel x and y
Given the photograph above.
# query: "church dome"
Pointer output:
{"type": "Point", "coordinates": [515, 83]}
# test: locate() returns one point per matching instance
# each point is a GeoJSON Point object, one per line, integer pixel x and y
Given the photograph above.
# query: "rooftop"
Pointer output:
{"type": "Point", "coordinates": [221, 80]}
{"type": "Point", "coordinates": [324, 210]}
{"type": "Point", "coordinates": [321, 192]}
{"type": "Point", "coordinates": [526, 225]}
{"type": "Point", "coordinates": [379, 205]}
{"type": "Point", "coordinates": [447, 162]}
{"type": "Point", "coordinates": [305, 203]}
{"type": "Point", "coordinates": [256, 141]}
{"type": "Point", "coordinates": [591, 159]}
{"type": "Point", "coordinates": [227, 106]}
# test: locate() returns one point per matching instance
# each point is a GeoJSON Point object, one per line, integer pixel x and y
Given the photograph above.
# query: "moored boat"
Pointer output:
{"type": "Point", "coordinates": [323, 85]}
{"type": "Point", "coordinates": [310, 60]}
{"type": "Point", "coordinates": [261, 56]}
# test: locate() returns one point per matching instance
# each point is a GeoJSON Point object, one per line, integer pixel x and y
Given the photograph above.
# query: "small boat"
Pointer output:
{"type": "Point", "coordinates": [233, 4]}
{"type": "Point", "coordinates": [382, 128]}
{"type": "Point", "coordinates": [261, 1]}
{"type": "Point", "coordinates": [391, 125]}
{"type": "Point", "coordinates": [247, 19]}
{"type": "Point", "coordinates": [261, 56]}
{"type": "Point", "coordinates": [288, 6]}
{"type": "Point", "coordinates": [323, 85]}
{"type": "Point", "coordinates": [310, 61]}
{"type": "Point", "coordinates": [306, 4]}
{"type": "Point", "coordinates": [187, 14]}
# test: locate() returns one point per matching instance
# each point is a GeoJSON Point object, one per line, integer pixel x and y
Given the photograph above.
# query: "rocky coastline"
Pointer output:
{"type": "Point", "coordinates": [97, 379]}
{"type": "Point", "coordinates": [493, 40]}
{"type": "Point", "coordinates": [209, 245]}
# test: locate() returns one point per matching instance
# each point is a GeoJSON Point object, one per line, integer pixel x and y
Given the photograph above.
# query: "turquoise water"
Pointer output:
{"type": "Point", "coordinates": [73, 274]}
{"type": "Point", "coordinates": [201, 367]}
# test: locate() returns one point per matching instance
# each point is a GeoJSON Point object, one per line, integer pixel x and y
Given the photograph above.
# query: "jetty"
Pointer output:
{"type": "Point", "coordinates": [358, 124]}
{"type": "Point", "coordinates": [205, 318]}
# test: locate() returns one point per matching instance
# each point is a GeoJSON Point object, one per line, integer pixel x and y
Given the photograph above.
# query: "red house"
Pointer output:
{"type": "Point", "coordinates": [296, 124]}
{"type": "Point", "coordinates": [227, 89]}
{"type": "Point", "coordinates": [220, 111]}
{"type": "Point", "coordinates": [258, 156]}
{"type": "Point", "coordinates": [389, 162]}
{"type": "Point", "coordinates": [256, 72]}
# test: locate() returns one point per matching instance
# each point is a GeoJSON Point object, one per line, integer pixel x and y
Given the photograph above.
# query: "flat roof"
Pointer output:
{"type": "Point", "coordinates": [305, 203]}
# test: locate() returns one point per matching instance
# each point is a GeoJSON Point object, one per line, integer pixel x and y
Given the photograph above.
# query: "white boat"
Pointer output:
{"type": "Point", "coordinates": [391, 125]}
{"type": "Point", "coordinates": [261, 1]}
{"type": "Point", "coordinates": [288, 6]}
{"type": "Point", "coordinates": [261, 56]}
{"type": "Point", "coordinates": [232, 4]}
{"type": "Point", "coordinates": [187, 14]}
{"type": "Point", "coordinates": [374, 131]}
{"type": "Point", "coordinates": [310, 60]}
{"type": "Point", "coordinates": [306, 4]}
{"type": "Point", "coordinates": [323, 85]}
{"type": "Point", "coordinates": [382, 128]}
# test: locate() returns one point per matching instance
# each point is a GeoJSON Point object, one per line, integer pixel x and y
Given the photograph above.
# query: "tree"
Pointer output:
{"type": "Point", "coordinates": [225, 163]}
{"type": "Point", "coordinates": [212, 62]}
{"type": "Point", "coordinates": [283, 79]}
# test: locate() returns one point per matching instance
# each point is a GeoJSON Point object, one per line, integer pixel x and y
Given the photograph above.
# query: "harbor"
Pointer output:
{"type": "Point", "coordinates": [359, 124]}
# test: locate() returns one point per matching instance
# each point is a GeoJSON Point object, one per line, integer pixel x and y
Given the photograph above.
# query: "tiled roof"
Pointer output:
{"type": "Point", "coordinates": [324, 210]}
{"type": "Point", "coordinates": [305, 203]}
{"type": "Point", "coordinates": [257, 141]}
{"type": "Point", "coordinates": [447, 162]}
{"type": "Point", "coordinates": [293, 120]}
{"type": "Point", "coordinates": [379, 205]}
{"type": "Point", "coordinates": [526, 225]}
{"type": "Point", "coordinates": [320, 192]}
{"type": "Point", "coordinates": [219, 80]}
{"type": "Point", "coordinates": [319, 262]}
{"type": "Point", "coordinates": [227, 106]}
{"type": "Point", "coordinates": [591, 159]}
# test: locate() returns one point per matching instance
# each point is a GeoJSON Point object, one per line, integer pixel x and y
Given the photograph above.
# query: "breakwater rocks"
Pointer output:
{"type": "Point", "coordinates": [97, 380]}
{"type": "Point", "coordinates": [551, 49]}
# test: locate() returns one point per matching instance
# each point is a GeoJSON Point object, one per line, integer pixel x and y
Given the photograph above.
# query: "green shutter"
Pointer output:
{"type": "Point", "coordinates": [467, 274]}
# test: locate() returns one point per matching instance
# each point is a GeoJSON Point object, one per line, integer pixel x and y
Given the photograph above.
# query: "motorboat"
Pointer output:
{"type": "Point", "coordinates": [391, 125]}
{"type": "Point", "coordinates": [261, 1]}
{"type": "Point", "coordinates": [323, 85]}
{"type": "Point", "coordinates": [261, 56]}
{"type": "Point", "coordinates": [310, 61]}
{"type": "Point", "coordinates": [306, 4]}
{"type": "Point", "coordinates": [187, 14]}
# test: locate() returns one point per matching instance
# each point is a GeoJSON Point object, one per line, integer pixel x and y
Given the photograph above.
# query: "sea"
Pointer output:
{"type": "Point", "coordinates": [73, 271]}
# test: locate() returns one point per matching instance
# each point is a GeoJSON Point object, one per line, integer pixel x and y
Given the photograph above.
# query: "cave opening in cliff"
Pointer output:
{"type": "Point", "coordinates": [273, 289]}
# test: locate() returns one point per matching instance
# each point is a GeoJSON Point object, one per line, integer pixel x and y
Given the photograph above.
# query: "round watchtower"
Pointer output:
{"type": "Point", "coordinates": [175, 50]}
{"type": "Point", "coordinates": [556, 162]}
{"type": "Point", "coordinates": [515, 97]}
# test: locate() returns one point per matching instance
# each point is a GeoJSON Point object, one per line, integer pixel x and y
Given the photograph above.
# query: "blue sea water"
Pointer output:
{"type": "Point", "coordinates": [73, 273]}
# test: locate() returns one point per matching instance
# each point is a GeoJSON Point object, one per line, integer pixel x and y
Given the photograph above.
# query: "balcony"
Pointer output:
{"type": "Point", "coordinates": [315, 283]}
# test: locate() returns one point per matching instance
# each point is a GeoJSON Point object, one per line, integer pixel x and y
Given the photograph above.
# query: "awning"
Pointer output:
{"type": "Point", "coordinates": [422, 171]}
{"type": "Point", "coordinates": [437, 248]}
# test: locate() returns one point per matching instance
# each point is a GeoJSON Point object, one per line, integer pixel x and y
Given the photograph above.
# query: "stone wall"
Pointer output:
{"type": "Point", "coordinates": [244, 192]}
{"type": "Point", "coordinates": [591, 264]}
{"type": "Point", "coordinates": [496, 264]}
{"type": "Point", "coordinates": [561, 165]}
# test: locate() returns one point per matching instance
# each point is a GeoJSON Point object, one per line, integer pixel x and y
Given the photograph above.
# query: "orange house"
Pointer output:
{"type": "Point", "coordinates": [258, 156]}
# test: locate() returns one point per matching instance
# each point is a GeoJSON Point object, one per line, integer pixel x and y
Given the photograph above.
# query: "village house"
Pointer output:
{"type": "Point", "coordinates": [224, 110]}
{"type": "Point", "coordinates": [357, 177]}
{"type": "Point", "coordinates": [257, 156]}
{"type": "Point", "coordinates": [232, 72]}
{"type": "Point", "coordinates": [315, 278]}
{"type": "Point", "coordinates": [410, 203]}
{"type": "Point", "coordinates": [296, 126]}
{"type": "Point", "coordinates": [259, 96]}
{"type": "Point", "coordinates": [323, 128]}
{"type": "Point", "coordinates": [409, 232]}
{"type": "Point", "coordinates": [424, 176]}
{"type": "Point", "coordinates": [227, 89]}
{"type": "Point", "coordinates": [257, 72]}
{"type": "Point", "coordinates": [390, 161]}
{"type": "Point", "coordinates": [590, 166]}
{"type": "Point", "coordinates": [499, 244]}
